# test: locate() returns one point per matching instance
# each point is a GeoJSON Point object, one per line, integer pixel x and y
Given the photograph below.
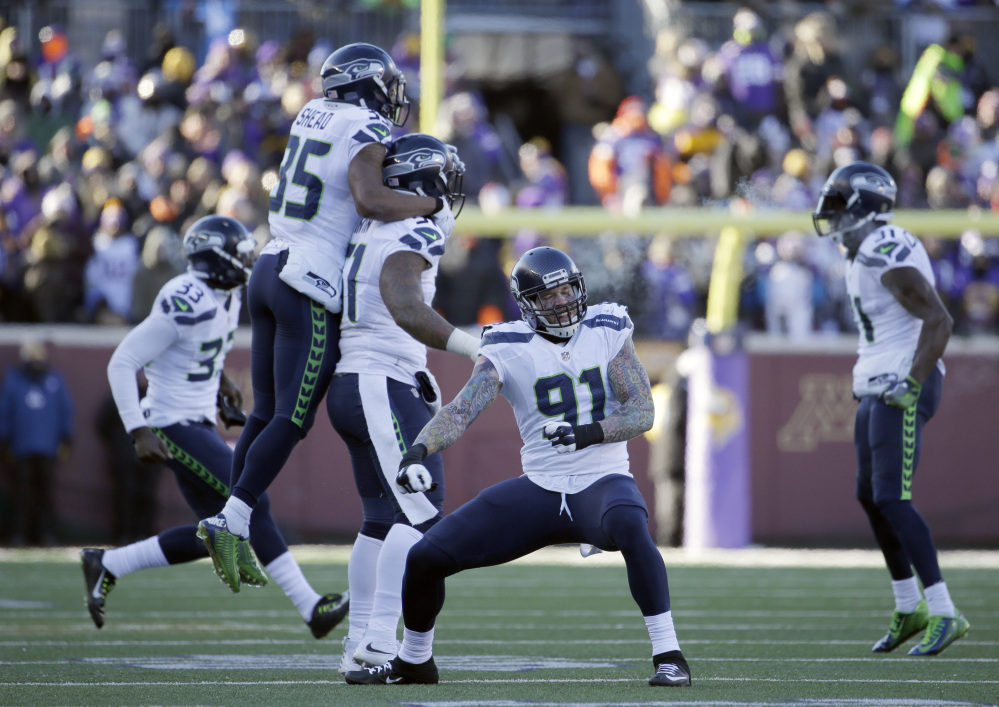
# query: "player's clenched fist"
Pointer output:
{"type": "Point", "coordinates": [566, 437]}
{"type": "Point", "coordinates": [415, 479]}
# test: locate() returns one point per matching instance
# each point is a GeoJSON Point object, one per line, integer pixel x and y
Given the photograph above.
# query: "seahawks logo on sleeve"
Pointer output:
{"type": "Point", "coordinates": [374, 131]}
{"type": "Point", "coordinates": [181, 301]}
{"type": "Point", "coordinates": [425, 238]}
{"type": "Point", "coordinates": [890, 245]}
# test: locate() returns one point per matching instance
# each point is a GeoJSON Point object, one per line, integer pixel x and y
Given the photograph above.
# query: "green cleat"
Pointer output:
{"type": "Point", "coordinates": [941, 632]}
{"type": "Point", "coordinates": [222, 547]}
{"type": "Point", "coordinates": [327, 613]}
{"type": "Point", "coordinates": [250, 573]}
{"type": "Point", "coordinates": [903, 627]}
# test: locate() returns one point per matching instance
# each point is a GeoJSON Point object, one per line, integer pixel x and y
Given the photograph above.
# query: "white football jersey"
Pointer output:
{"type": "Point", "coordinates": [544, 381]}
{"type": "Point", "coordinates": [888, 332]}
{"type": "Point", "coordinates": [370, 340]}
{"type": "Point", "coordinates": [311, 205]}
{"type": "Point", "coordinates": [189, 332]}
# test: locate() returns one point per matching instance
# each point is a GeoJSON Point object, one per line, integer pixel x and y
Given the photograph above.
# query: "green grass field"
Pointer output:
{"type": "Point", "coordinates": [758, 628]}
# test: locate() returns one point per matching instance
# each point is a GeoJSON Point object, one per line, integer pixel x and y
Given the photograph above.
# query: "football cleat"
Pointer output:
{"type": "Point", "coordinates": [671, 670]}
{"type": "Point", "coordinates": [396, 672]}
{"type": "Point", "coordinates": [940, 633]}
{"type": "Point", "coordinates": [347, 662]}
{"type": "Point", "coordinates": [327, 613]}
{"type": "Point", "coordinates": [222, 548]}
{"type": "Point", "coordinates": [903, 627]}
{"type": "Point", "coordinates": [250, 573]}
{"type": "Point", "coordinates": [375, 653]}
{"type": "Point", "coordinates": [98, 581]}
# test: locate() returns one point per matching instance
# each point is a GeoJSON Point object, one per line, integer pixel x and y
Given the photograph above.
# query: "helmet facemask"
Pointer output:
{"type": "Point", "coordinates": [836, 218]}
{"type": "Point", "coordinates": [559, 320]}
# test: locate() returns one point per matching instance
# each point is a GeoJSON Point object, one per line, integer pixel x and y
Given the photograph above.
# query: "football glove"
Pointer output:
{"type": "Point", "coordinates": [415, 478]}
{"type": "Point", "coordinates": [429, 389]}
{"type": "Point", "coordinates": [443, 218]}
{"type": "Point", "coordinates": [903, 394]}
{"type": "Point", "coordinates": [567, 437]}
{"type": "Point", "coordinates": [229, 411]}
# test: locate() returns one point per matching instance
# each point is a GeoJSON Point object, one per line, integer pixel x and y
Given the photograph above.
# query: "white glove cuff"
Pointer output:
{"type": "Point", "coordinates": [465, 344]}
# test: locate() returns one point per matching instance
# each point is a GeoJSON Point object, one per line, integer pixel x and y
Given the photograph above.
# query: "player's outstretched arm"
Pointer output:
{"type": "Point", "coordinates": [630, 383]}
{"type": "Point", "coordinates": [920, 298]}
{"type": "Point", "coordinates": [450, 423]}
{"type": "Point", "coordinates": [376, 201]}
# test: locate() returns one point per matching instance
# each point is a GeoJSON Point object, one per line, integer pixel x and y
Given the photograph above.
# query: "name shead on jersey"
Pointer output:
{"type": "Point", "coordinates": [311, 118]}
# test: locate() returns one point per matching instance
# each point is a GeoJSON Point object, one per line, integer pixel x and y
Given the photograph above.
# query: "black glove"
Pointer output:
{"type": "Point", "coordinates": [413, 476]}
{"type": "Point", "coordinates": [567, 438]}
{"type": "Point", "coordinates": [229, 413]}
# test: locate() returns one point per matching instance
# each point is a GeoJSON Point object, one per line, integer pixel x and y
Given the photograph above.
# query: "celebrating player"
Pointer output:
{"type": "Point", "coordinates": [181, 346]}
{"type": "Point", "coordinates": [579, 393]}
{"type": "Point", "coordinates": [898, 378]}
{"type": "Point", "coordinates": [330, 176]}
{"type": "Point", "coordinates": [382, 395]}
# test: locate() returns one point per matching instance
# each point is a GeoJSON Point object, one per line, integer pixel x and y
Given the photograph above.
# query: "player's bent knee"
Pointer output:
{"type": "Point", "coordinates": [627, 525]}
{"type": "Point", "coordinates": [428, 562]}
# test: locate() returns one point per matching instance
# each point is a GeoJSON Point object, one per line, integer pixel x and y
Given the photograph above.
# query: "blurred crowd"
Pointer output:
{"type": "Point", "coordinates": [103, 167]}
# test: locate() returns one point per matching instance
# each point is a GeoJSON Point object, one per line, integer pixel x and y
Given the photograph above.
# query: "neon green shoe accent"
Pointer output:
{"type": "Point", "coordinates": [903, 627]}
{"type": "Point", "coordinates": [221, 546]}
{"type": "Point", "coordinates": [250, 573]}
{"type": "Point", "coordinates": [941, 632]}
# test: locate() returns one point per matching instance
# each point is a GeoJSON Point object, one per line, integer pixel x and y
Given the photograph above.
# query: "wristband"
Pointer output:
{"type": "Point", "coordinates": [415, 455]}
{"type": "Point", "coordinates": [462, 343]}
{"type": "Point", "coordinates": [589, 434]}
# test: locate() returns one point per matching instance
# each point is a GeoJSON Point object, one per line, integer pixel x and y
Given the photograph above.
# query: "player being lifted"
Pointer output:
{"type": "Point", "coordinates": [381, 393]}
{"type": "Point", "coordinates": [578, 392]}
{"type": "Point", "coordinates": [330, 177]}
{"type": "Point", "coordinates": [181, 346]}
{"type": "Point", "coordinates": [898, 378]}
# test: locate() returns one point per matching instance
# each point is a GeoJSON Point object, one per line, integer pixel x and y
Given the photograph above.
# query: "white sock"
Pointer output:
{"type": "Point", "coordinates": [141, 555]}
{"type": "Point", "coordinates": [362, 571]}
{"type": "Point", "coordinates": [907, 594]}
{"type": "Point", "coordinates": [237, 517]}
{"type": "Point", "coordinates": [288, 574]}
{"type": "Point", "coordinates": [417, 647]}
{"type": "Point", "coordinates": [387, 606]}
{"type": "Point", "coordinates": [938, 598]}
{"type": "Point", "coordinates": [662, 633]}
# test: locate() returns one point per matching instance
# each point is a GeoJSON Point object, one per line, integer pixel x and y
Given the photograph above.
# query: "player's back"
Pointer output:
{"type": "Point", "coordinates": [370, 339]}
{"type": "Point", "coordinates": [184, 378]}
{"type": "Point", "coordinates": [312, 205]}
{"type": "Point", "coordinates": [545, 381]}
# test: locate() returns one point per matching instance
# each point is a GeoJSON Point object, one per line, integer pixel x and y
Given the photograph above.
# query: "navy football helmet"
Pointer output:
{"type": "Point", "coordinates": [546, 268]}
{"type": "Point", "coordinates": [220, 251]}
{"type": "Point", "coordinates": [426, 166]}
{"type": "Point", "coordinates": [856, 199]}
{"type": "Point", "coordinates": [365, 75]}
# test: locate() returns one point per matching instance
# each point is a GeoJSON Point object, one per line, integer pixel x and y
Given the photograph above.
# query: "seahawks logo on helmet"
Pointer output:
{"type": "Point", "coordinates": [204, 240]}
{"type": "Point", "coordinates": [873, 182]}
{"type": "Point", "coordinates": [362, 69]}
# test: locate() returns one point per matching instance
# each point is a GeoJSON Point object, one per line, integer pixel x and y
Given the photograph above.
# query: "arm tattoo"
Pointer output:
{"type": "Point", "coordinates": [630, 383]}
{"type": "Point", "coordinates": [454, 418]}
{"type": "Point", "coordinates": [401, 288]}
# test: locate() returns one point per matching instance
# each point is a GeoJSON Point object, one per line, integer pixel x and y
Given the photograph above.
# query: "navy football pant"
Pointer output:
{"type": "Point", "coordinates": [201, 463]}
{"type": "Point", "coordinates": [292, 356]}
{"type": "Point", "coordinates": [517, 517]}
{"type": "Point", "coordinates": [379, 418]}
{"type": "Point", "coordinates": [888, 442]}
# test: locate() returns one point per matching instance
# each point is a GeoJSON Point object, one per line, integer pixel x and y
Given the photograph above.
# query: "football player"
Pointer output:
{"type": "Point", "coordinates": [330, 177]}
{"type": "Point", "coordinates": [578, 392]}
{"type": "Point", "coordinates": [898, 379]}
{"type": "Point", "coordinates": [382, 394]}
{"type": "Point", "coordinates": [181, 347]}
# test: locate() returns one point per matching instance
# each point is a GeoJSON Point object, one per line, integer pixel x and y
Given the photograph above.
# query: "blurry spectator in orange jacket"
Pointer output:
{"type": "Point", "coordinates": [628, 166]}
